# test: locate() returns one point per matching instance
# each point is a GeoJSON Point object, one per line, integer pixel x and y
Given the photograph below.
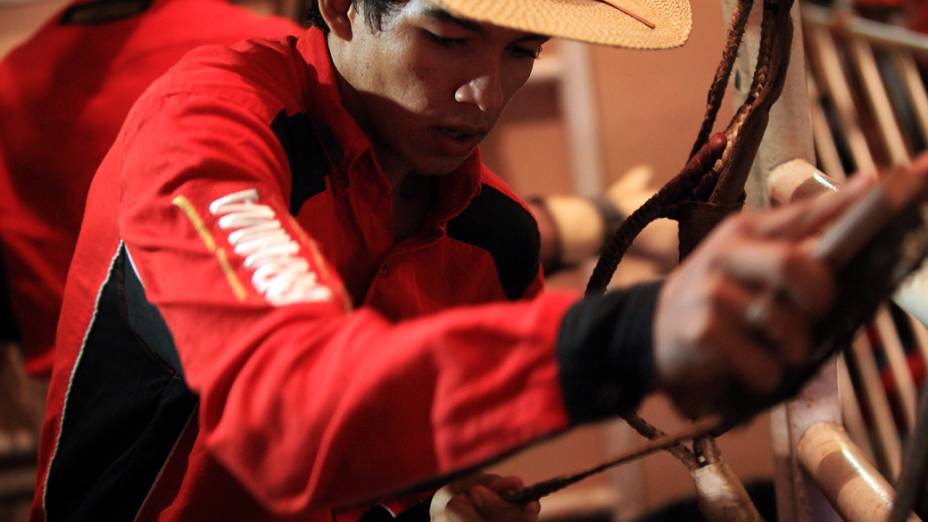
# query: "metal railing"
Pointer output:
{"type": "Point", "coordinates": [868, 110]}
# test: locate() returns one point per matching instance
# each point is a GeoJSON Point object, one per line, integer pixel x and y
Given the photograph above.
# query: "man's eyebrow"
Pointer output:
{"type": "Point", "coordinates": [445, 16]}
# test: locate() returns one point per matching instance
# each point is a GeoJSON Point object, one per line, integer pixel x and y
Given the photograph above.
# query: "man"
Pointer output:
{"type": "Point", "coordinates": [63, 95]}
{"type": "Point", "coordinates": [297, 290]}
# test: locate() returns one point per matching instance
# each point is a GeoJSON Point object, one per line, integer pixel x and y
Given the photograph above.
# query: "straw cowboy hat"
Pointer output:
{"type": "Point", "coordinates": [637, 24]}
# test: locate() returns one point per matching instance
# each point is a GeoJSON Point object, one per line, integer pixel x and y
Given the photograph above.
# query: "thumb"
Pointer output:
{"type": "Point", "coordinates": [809, 217]}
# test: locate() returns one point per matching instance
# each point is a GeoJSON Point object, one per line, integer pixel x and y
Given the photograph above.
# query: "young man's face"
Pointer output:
{"type": "Point", "coordinates": [428, 86]}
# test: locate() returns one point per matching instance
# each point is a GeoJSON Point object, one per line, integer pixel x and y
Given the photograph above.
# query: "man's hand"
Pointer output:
{"type": "Point", "coordinates": [476, 499]}
{"type": "Point", "coordinates": [740, 309]}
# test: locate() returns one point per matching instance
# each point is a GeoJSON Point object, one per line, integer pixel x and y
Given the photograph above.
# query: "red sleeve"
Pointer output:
{"type": "Point", "coordinates": [307, 403]}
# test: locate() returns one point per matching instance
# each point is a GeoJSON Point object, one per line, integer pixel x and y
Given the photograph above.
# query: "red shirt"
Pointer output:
{"type": "Point", "coordinates": [63, 96]}
{"type": "Point", "coordinates": [242, 339]}
{"type": "Point", "coordinates": [918, 15]}
{"type": "Point", "coordinates": [890, 4]}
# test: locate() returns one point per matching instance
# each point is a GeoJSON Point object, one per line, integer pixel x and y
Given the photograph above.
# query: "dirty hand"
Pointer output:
{"type": "Point", "coordinates": [739, 310]}
{"type": "Point", "coordinates": [476, 499]}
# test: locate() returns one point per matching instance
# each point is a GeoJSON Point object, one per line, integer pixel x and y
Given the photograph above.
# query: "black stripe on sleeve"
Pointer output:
{"type": "Point", "coordinates": [124, 411]}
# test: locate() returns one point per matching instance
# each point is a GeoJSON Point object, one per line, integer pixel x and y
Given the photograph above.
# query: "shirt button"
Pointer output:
{"type": "Point", "coordinates": [384, 269]}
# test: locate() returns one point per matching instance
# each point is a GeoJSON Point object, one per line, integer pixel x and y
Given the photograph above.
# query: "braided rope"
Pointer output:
{"type": "Point", "coordinates": [737, 25]}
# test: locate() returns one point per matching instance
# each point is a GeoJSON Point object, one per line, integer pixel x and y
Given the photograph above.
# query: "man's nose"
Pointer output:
{"type": "Point", "coordinates": [485, 91]}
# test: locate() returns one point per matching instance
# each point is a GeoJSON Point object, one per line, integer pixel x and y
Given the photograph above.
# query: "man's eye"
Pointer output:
{"type": "Point", "coordinates": [527, 52]}
{"type": "Point", "coordinates": [445, 41]}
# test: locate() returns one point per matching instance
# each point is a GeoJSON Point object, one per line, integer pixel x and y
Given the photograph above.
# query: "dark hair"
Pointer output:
{"type": "Point", "coordinates": [373, 10]}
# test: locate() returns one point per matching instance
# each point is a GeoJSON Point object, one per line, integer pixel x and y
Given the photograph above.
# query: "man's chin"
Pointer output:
{"type": "Point", "coordinates": [440, 166]}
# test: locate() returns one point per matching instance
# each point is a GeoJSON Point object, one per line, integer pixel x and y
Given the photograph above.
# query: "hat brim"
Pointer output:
{"type": "Point", "coordinates": [636, 24]}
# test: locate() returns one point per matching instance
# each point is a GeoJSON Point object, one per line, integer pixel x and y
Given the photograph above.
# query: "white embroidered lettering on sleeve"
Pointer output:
{"type": "Point", "coordinates": [257, 235]}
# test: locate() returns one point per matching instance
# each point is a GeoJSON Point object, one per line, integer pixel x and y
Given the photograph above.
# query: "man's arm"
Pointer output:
{"type": "Point", "coordinates": [310, 404]}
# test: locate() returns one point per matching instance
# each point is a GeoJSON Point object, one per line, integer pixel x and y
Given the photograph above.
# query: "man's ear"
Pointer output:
{"type": "Point", "coordinates": [337, 17]}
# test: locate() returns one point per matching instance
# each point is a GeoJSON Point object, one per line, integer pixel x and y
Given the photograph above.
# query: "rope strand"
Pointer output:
{"type": "Point", "coordinates": [739, 21]}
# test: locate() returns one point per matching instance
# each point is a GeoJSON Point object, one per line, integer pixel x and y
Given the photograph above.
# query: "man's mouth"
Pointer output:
{"type": "Point", "coordinates": [458, 141]}
{"type": "Point", "coordinates": [463, 134]}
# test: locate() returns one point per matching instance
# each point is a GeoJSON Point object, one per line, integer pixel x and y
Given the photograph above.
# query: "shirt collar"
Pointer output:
{"type": "Point", "coordinates": [326, 102]}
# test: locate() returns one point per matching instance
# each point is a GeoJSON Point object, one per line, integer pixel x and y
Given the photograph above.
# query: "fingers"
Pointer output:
{"type": "Point", "coordinates": [751, 347]}
{"type": "Point", "coordinates": [476, 498]}
{"type": "Point", "coordinates": [460, 508]}
{"type": "Point", "coordinates": [920, 164]}
{"type": "Point", "coordinates": [494, 508]}
{"type": "Point", "coordinates": [809, 217]}
{"type": "Point", "coordinates": [788, 269]}
{"type": "Point", "coordinates": [765, 321]}
{"type": "Point", "coordinates": [491, 500]}
{"type": "Point", "coordinates": [779, 328]}
{"type": "Point", "coordinates": [740, 308]}
{"type": "Point", "coordinates": [500, 484]}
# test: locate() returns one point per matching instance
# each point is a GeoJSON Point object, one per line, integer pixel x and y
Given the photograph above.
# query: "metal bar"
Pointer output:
{"type": "Point", "coordinates": [851, 411]}
{"type": "Point", "coordinates": [825, 147]}
{"type": "Point", "coordinates": [783, 465]}
{"type": "Point", "coordinates": [921, 335]}
{"type": "Point", "coordinates": [887, 435]}
{"type": "Point", "coordinates": [828, 67]}
{"type": "Point", "coordinates": [875, 32]}
{"type": "Point", "coordinates": [915, 472]}
{"type": "Point", "coordinates": [798, 179]}
{"type": "Point", "coordinates": [817, 403]}
{"type": "Point", "coordinates": [863, 56]}
{"type": "Point", "coordinates": [914, 86]}
{"type": "Point", "coordinates": [851, 483]}
{"type": "Point", "coordinates": [898, 366]}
